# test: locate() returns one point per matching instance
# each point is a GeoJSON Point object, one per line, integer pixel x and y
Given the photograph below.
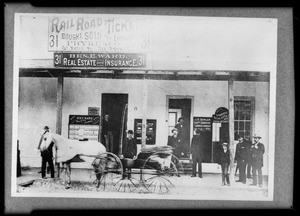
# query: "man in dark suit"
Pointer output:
{"type": "Point", "coordinates": [47, 155]}
{"type": "Point", "coordinates": [129, 150]}
{"type": "Point", "coordinates": [197, 153]}
{"type": "Point", "coordinates": [107, 131]}
{"type": "Point", "coordinates": [241, 157]}
{"type": "Point", "coordinates": [257, 151]}
{"type": "Point", "coordinates": [248, 162]}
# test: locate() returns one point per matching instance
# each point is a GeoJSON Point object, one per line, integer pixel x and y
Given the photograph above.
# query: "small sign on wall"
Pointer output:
{"type": "Point", "coordinates": [202, 123]}
{"type": "Point", "coordinates": [150, 131]}
{"type": "Point", "coordinates": [93, 111]}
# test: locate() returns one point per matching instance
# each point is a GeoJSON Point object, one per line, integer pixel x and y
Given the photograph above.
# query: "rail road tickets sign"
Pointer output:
{"type": "Point", "coordinates": [96, 60]}
{"type": "Point", "coordinates": [98, 33]}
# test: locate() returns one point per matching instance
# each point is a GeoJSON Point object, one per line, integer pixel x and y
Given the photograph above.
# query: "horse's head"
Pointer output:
{"type": "Point", "coordinates": [47, 140]}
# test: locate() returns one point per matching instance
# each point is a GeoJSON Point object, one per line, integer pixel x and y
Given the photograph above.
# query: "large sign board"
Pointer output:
{"type": "Point", "coordinates": [96, 60]}
{"type": "Point", "coordinates": [84, 127]}
{"type": "Point", "coordinates": [202, 123]}
{"type": "Point", "coordinates": [98, 33]}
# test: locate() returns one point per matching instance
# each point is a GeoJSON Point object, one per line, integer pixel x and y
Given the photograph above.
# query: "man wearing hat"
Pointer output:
{"type": "Point", "coordinates": [257, 151]}
{"type": "Point", "coordinates": [225, 161]}
{"type": "Point", "coordinates": [197, 153]}
{"type": "Point", "coordinates": [47, 156]}
{"type": "Point", "coordinates": [182, 137]}
{"type": "Point", "coordinates": [173, 141]}
{"type": "Point", "coordinates": [129, 149]}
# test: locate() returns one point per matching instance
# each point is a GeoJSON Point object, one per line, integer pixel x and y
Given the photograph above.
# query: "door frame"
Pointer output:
{"type": "Point", "coordinates": [168, 97]}
{"type": "Point", "coordinates": [102, 112]}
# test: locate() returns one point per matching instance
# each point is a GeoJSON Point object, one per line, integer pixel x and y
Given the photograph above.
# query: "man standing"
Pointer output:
{"type": "Point", "coordinates": [107, 130]}
{"type": "Point", "coordinates": [241, 156]}
{"type": "Point", "coordinates": [173, 141]}
{"type": "Point", "coordinates": [196, 150]}
{"type": "Point", "coordinates": [129, 150]}
{"type": "Point", "coordinates": [47, 156]}
{"type": "Point", "coordinates": [248, 162]}
{"type": "Point", "coordinates": [181, 136]}
{"type": "Point", "coordinates": [257, 151]}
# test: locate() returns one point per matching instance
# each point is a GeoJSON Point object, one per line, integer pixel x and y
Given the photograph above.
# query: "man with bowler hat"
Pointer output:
{"type": "Point", "coordinates": [257, 151]}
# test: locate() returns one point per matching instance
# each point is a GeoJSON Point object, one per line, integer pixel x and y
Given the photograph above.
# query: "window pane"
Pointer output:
{"type": "Point", "coordinates": [247, 128]}
{"type": "Point", "coordinates": [172, 119]}
{"type": "Point", "coordinates": [241, 116]}
{"type": "Point", "coordinates": [236, 125]}
{"type": "Point", "coordinates": [236, 115]}
{"type": "Point", "coordinates": [241, 126]}
{"type": "Point", "coordinates": [248, 116]}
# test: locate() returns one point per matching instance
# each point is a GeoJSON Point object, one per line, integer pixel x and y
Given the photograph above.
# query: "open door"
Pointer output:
{"type": "Point", "coordinates": [114, 106]}
{"type": "Point", "coordinates": [181, 107]}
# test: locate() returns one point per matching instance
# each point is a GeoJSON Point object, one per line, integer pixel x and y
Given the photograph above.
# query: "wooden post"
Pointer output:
{"type": "Point", "coordinates": [144, 120]}
{"type": "Point", "coordinates": [59, 102]}
{"type": "Point", "coordinates": [231, 128]}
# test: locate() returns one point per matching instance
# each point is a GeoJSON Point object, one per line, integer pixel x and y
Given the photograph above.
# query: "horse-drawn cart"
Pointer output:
{"type": "Point", "coordinates": [155, 169]}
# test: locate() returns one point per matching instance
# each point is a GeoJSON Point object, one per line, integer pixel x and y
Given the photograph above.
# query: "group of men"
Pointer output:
{"type": "Point", "coordinates": [247, 155]}
{"type": "Point", "coordinates": [250, 155]}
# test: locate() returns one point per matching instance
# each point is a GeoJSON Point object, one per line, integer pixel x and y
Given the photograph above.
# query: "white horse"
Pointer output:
{"type": "Point", "coordinates": [68, 151]}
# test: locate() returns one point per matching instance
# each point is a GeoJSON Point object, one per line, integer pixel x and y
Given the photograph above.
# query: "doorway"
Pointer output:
{"type": "Point", "coordinates": [180, 107]}
{"type": "Point", "coordinates": [114, 105]}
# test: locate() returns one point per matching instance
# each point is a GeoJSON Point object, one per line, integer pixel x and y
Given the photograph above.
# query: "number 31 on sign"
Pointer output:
{"type": "Point", "coordinates": [53, 40]}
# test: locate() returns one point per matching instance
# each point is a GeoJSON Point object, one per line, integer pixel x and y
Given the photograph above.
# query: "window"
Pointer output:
{"type": "Point", "coordinates": [172, 121]}
{"type": "Point", "coordinates": [243, 117]}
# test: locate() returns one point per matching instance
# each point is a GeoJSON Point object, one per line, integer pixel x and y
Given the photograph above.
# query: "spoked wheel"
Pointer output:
{"type": "Point", "coordinates": [127, 184]}
{"type": "Point", "coordinates": [109, 170]}
{"type": "Point", "coordinates": [130, 180]}
{"type": "Point", "coordinates": [159, 172]}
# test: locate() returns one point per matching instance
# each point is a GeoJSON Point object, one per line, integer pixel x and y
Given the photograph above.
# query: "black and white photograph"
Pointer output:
{"type": "Point", "coordinates": [136, 106]}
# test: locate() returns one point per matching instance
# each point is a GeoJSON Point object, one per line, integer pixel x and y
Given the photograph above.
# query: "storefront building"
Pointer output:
{"type": "Point", "coordinates": [210, 76]}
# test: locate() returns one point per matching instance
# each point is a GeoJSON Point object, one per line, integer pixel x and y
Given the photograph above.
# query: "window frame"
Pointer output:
{"type": "Point", "coordinates": [251, 99]}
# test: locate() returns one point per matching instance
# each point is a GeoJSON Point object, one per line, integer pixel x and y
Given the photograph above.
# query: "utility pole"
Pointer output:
{"type": "Point", "coordinates": [144, 120]}
{"type": "Point", "coordinates": [231, 127]}
{"type": "Point", "coordinates": [59, 101]}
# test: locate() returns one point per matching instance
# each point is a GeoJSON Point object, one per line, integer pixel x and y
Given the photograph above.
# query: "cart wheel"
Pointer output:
{"type": "Point", "coordinates": [110, 169]}
{"type": "Point", "coordinates": [158, 172]}
{"type": "Point", "coordinates": [128, 183]}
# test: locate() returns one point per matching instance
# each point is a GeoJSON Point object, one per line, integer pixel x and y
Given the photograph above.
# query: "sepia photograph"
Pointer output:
{"type": "Point", "coordinates": [140, 106]}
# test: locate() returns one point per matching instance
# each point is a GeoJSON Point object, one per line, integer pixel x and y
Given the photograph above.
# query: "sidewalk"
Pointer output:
{"type": "Point", "coordinates": [208, 187]}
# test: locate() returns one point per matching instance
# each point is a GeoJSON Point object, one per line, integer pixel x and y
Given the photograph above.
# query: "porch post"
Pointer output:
{"type": "Point", "coordinates": [59, 102]}
{"type": "Point", "coordinates": [231, 127]}
{"type": "Point", "coordinates": [144, 121]}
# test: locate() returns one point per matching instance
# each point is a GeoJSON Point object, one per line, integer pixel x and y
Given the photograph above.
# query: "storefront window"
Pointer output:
{"type": "Point", "coordinates": [243, 117]}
